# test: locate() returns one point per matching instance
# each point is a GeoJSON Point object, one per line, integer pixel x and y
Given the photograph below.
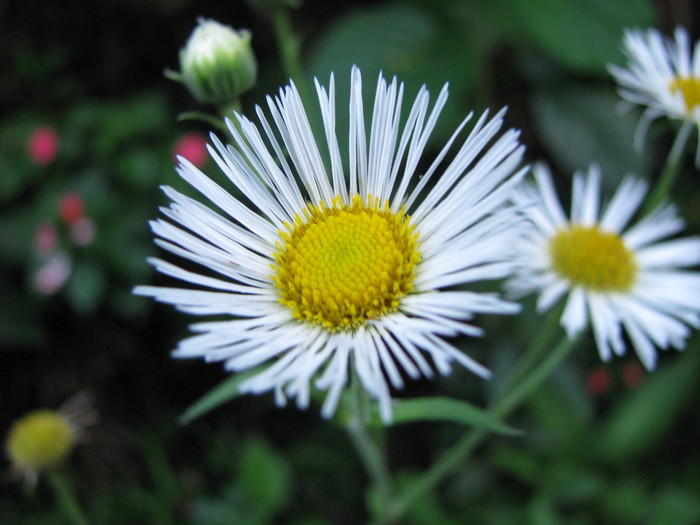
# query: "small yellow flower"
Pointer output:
{"type": "Point", "coordinates": [39, 440]}
{"type": "Point", "coordinates": [43, 439]}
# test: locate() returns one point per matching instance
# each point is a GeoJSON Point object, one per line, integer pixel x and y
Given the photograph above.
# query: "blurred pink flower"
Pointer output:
{"type": "Point", "coordinates": [43, 145]}
{"type": "Point", "coordinates": [598, 381]}
{"type": "Point", "coordinates": [82, 231]}
{"type": "Point", "coordinates": [45, 238]}
{"type": "Point", "coordinates": [632, 374]}
{"type": "Point", "coordinates": [52, 275]}
{"type": "Point", "coordinates": [193, 147]}
{"type": "Point", "coordinates": [70, 207]}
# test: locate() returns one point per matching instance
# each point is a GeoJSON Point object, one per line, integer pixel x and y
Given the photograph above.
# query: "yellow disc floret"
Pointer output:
{"type": "Point", "coordinates": [39, 440]}
{"type": "Point", "coordinates": [593, 259]}
{"type": "Point", "coordinates": [689, 88]}
{"type": "Point", "coordinates": [341, 265]}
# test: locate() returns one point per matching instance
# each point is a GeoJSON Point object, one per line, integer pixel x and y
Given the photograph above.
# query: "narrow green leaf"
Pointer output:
{"type": "Point", "coordinates": [265, 477]}
{"type": "Point", "coordinates": [447, 409]}
{"type": "Point", "coordinates": [644, 417]}
{"type": "Point", "coordinates": [223, 393]}
{"type": "Point", "coordinates": [86, 287]}
{"type": "Point", "coordinates": [207, 118]}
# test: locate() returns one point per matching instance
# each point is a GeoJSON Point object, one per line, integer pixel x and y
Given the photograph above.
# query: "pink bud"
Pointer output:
{"type": "Point", "coordinates": [70, 207]}
{"type": "Point", "coordinates": [82, 231]}
{"type": "Point", "coordinates": [45, 238]}
{"type": "Point", "coordinates": [632, 374]}
{"type": "Point", "coordinates": [193, 147]}
{"type": "Point", "coordinates": [52, 275]}
{"type": "Point", "coordinates": [43, 145]}
{"type": "Point", "coordinates": [598, 381]}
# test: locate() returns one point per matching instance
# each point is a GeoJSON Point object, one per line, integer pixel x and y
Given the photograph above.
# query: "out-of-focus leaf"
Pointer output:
{"type": "Point", "coordinates": [519, 463]}
{"type": "Point", "coordinates": [678, 506]}
{"type": "Point", "coordinates": [86, 286]}
{"type": "Point", "coordinates": [582, 125]}
{"type": "Point", "coordinates": [207, 510]}
{"type": "Point", "coordinates": [395, 39]}
{"type": "Point", "coordinates": [226, 391]}
{"type": "Point", "coordinates": [427, 509]}
{"type": "Point", "coordinates": [542, 511]}
{"type": "Point", "coordinates": [446, 409]}
{"type": "Point", "coordinates": [20, 324]}
{"type": "Point", "coordinates": [643, 417]}
{"type": "Point", "coordinates": [141, 168]}
{"type": "Point", "coordinates": [16, 234]}
{"type": "Point", "coordinates": [265, 478]}
{"type": "Point", "coordinates": [584, 35]}
{"type": "Point", "coordinates": [563, 408]}
{"type": "Point", "coordinates": [131, 121]}
{"type": "Point", "coordinates": [573, 482]}
{"type": "Point", "coordinates": [625, 501]}
{"type": "Point", "coordinates": [16, 176]}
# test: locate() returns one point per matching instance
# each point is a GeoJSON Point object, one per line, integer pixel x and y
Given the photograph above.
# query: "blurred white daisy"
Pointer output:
{"type": "Point", "coordinates": [615, 276]}
{"type": "Point", "coordinates": [323, 270]}
{"type": "Point", "coordinates": [663, 75]}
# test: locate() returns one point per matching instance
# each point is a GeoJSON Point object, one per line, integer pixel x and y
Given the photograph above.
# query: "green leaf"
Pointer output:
{"type": "Point", "coordinates": [643, 417]}
{"type": "Point", "coordinates": [226, 391]}
{"type": "Point", "coordinates": [395, 39]}
{"type": "Point", "coordinates": [265, 477]}
{"type": "Point", "coordinates": [21, 325]}
{"type": "Point", "coordinates": [584, 35]}
{"type": "Point", "coordinates": [582, 125]}
{"type": "Point", "coordinates": [446, 409]}
{"type": "Point", "coordinates": [86, 287]}
{"type": "Point", "coordinates": [677, 505]}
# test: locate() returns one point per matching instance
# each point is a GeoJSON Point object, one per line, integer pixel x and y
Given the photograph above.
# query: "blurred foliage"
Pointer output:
{"type": "Point", "coordinates": [627, 455]}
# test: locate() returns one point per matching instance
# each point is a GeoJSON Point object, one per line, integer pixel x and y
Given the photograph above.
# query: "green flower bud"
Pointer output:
{"type": "Point", "coordinates": [217, 63]}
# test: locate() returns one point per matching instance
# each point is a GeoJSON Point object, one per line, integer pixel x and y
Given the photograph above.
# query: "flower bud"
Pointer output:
{"type": "Point", "coordinates": [217, 64]}
{"type": "Point", "coordinates": [40, 440]}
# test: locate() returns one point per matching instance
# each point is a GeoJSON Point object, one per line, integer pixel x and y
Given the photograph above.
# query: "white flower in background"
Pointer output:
{"type": "Point", "coordinates": [218, 63]}
{"type": "Point", "coordinates": [615, 276]}
{"type": "Point", "coordinates": [323, 270]}
{"type": "Point", "coordinates": [663, 75]}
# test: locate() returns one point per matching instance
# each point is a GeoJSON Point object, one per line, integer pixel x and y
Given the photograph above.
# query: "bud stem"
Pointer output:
{"type": "Point", "coordinates": [66, 498]}
{"type": "Point", "coordinates": [289, 49]}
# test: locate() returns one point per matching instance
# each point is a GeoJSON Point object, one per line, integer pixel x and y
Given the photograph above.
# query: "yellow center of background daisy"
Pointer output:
{"type": "Point", "coordinates": [689, 88]}
{"type": "Point", "coordinates": [345, 264]}
{"type": "Point", "coordinates": [39, 440]}
{"type": "Point", "coordinates": [589, 257]}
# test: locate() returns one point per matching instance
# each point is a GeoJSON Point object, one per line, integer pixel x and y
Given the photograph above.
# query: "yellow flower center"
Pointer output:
{"type": "Point", "coordinates": [589, 257]}
{"type": "Point", "coordinates": [689, 88]}
{"type": "Point", "coordinates": [39, 440]}
{"type": "Point", "coordinates": [342, 265]}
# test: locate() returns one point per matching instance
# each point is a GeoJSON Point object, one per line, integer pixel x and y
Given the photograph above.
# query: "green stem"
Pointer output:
{"type": "Point", "coordinates": [227, 109]}
{"type": "Point", "coordinates": [460, 451]}
{"type": "Point", "coordinates": [207, 118]}
{"type": "Point", "coordinates": [668, 176]}
{"type": "Point", "coordinates": [533, 353]}
{"type": "Point", "coordinates": [370, 453]}
{"type": "Point", "coordinates": [522, 390]}
{"type": "Point", "coordinates": [67, 500]}
{"type": "Point", "coordinates": [289, 49]}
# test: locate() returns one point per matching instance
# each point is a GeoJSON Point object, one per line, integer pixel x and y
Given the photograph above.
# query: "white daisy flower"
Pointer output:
{"type": "Point", "coordinates": [663, 75]}
{"type": "Point", "coordinates": [615, 276]}
{"type": "Point", "coordinates": [323, 270]}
